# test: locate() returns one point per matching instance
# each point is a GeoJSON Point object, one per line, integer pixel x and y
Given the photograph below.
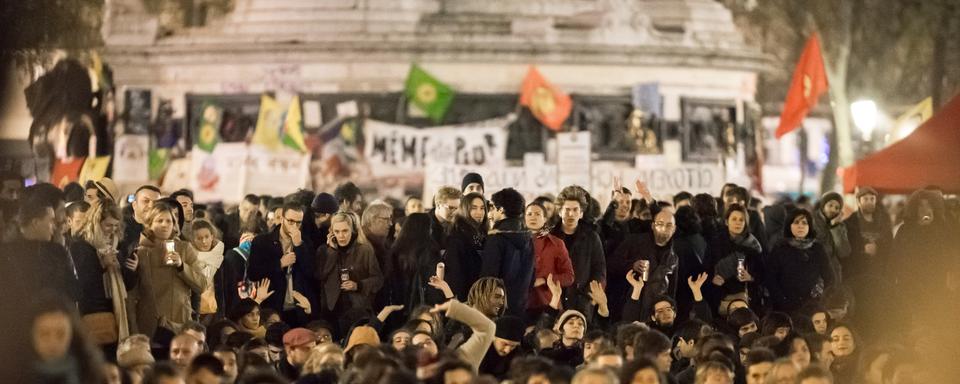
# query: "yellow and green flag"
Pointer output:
{"type": "Point", "coordinates": [267, 132]}
{"type": "Point", "coordinates": [427, 93]}
{"type": "Point", "coordinates": [293, 126]}
{"type": "Point", "coordinates": [157, 163]}
{"type": "Point", "coordinates": [208, 130]}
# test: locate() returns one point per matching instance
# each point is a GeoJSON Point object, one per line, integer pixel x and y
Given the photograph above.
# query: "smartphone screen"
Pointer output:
{"type": "Point", "coordinates": [170, 246]}
{"type": "Point", "coordinates": [130, 199]}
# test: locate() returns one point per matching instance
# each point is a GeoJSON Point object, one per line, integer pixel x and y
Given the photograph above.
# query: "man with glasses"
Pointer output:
{"type": "Point", "coordinates": [651, 259]}
{"type": "Point", "coordinates": [377, 225]}
{"type": "Point", "coordinates": [445, 205]}
{"type": "Point", "coordinates": [285, 257]}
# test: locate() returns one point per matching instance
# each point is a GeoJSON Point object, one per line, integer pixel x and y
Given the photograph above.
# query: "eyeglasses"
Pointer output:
{"type": "Point", "coordinates": [293, 222]}
{"type": "Point", "coordinates": [664, 225]}
{"type": "Point", "coordinates": [664, 310]}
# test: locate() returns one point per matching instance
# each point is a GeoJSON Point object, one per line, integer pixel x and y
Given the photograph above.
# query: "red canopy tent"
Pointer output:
{"type": "Point", "coordinates": [928, 156]}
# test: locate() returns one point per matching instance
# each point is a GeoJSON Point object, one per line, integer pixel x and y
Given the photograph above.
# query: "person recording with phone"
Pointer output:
{"type": "Point", "coordinates": [287, 259]}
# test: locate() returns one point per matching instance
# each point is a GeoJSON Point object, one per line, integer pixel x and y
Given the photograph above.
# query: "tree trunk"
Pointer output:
{"type": "Point", "coordinates": [836, 61]}
{"type": "Point", "coordinates": [939, 69]}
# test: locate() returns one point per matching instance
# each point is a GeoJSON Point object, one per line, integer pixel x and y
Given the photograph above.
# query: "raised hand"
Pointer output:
{"type": "Point", "coordinates": [387, 310]}
{"type": "Point", "coordinates": [696, 285]}
{"type": "Point", "coordinates": [442, 285]}
{"type": "Point", "coordinates": [617, 186]}
{"type": "Point", "coordinates": [643, 190]}
{"type": "Point", "coordinates": [441, 308]}
{"type": "Point", "coordinates": [262, 290]}
{"type": "Point", "coordinates": [556, 293]}
{"type": "Point", "coordinates": [301, 301]}
{"type": "Point", "coordinates": [636, 283]}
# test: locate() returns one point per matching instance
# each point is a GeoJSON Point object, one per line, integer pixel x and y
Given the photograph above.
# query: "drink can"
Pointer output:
{"type": "Point", "coordinates": [741, 266]}
{"type": "Point", "coordinates": [646, 269]}
{"type": "Point", "coordinates": [441, 267]}
{"type": "Point", "coordinates": [344, 274]}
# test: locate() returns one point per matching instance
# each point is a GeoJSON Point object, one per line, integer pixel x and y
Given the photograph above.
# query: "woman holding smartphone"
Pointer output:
{"type": "Point", "coordinates": [348, 270]}
{"type": "Point", "coordinates": [169, 271]}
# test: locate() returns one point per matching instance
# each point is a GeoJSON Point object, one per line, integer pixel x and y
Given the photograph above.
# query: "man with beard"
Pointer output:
{"type": "Point", "coordinates": [324, 205]}
{"type": "Point", "coordinates": [285, 257]}
{"type": "Point", "coordinates": [831, 232]}
{"type": "Point", "coordinates": [870, 233]}
{"type": "Point", "coordinates": [650, 256]}
{"type": "Point", "coordinates": [349, 197]}
{"type": "Point", "coordinates": [584, 246]}
{"type": "Point", "coordinates": [247, 212]}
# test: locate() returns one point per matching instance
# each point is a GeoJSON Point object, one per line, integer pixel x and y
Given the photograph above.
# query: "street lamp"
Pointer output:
{"type": "Point", "coordinates": [865, 116]}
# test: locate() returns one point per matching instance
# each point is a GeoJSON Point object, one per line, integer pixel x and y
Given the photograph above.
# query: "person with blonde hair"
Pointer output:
{"type": "Point", "coordinates": [169, 272]}
{"type": "Point", "coordinates": [347, 270]}
{"type": "Point", "coordinates": [324, 357]}
{"type": "Point", "coordinates": [104, 275]}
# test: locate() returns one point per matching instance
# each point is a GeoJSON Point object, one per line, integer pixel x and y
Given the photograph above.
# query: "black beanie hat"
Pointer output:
{"type": "Point", "coordinates": [510, 328]}
{"type": "Point", "coordinates": [471, 178]}
{"type": "Point", "coordinates": [827, 197]}
{"type": "Point", "coordinates": [325, 203]}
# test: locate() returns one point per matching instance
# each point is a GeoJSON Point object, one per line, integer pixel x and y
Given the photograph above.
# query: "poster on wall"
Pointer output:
{"type": "Point", "coordinates": [275, 173]}
{"type": "Point", "coordinates": [218, 176]}
{"type": "Point", "coordinates": [573, 158]}
{"type": "Point", "coordinates": [392, 149]}
{"type": "Point", "coordinates": [137, 106]}
{"type": "Point", "coordinates": [131, 159]}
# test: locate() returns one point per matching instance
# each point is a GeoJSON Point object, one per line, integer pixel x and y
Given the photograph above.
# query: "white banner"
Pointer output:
{"type": "Point", "coordinates": [397, 149]}
{"type": "Point", "coordinates": [276, 173]}
{"type": "Point", "coordinates": [530, 181]}
{"type": "Point", "coordinates": [663, 181]}
{"type": "Point", "coordinates": [573, 159]}
{"type": "Point", "coordinates": [218, 176]}
{"type": "Point", "coordinates": [131, 159]}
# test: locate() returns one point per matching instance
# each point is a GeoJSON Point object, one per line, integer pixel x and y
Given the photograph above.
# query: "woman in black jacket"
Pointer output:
{"type": "Point", "coordinates": [413, 260]}
{"type": "Point", "coordinates": [735, 261]}
{"type": "Point", "coordinates": [464, 253]}
{"type": "Point", "coordinates": [797, 269]}
{"type": "Point", "coordinates": [103, 274]}
{"type": "Point", "coordinates": [691, 250]}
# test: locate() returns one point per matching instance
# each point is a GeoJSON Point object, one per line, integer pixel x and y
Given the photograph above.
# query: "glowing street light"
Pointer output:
{"type": "Point", "coordinates": [865, 116]}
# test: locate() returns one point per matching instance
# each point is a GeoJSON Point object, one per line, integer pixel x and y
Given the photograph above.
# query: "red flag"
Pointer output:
{"type": "Point", "coordinates": [809, 82]}
{"type": "Point", "coordinates": [549, 104]}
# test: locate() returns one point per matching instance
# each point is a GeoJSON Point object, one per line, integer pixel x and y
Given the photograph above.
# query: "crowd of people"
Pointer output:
{"type": "Point", "coordinates": [483, 287]}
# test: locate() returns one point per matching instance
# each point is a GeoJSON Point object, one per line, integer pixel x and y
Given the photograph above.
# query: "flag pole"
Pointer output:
{"type": "Point", "coordinates": [802, 144]}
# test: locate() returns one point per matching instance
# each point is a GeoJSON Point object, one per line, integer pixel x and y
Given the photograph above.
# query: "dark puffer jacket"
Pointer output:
{"type": "Point", "coordinates": [508, 254]}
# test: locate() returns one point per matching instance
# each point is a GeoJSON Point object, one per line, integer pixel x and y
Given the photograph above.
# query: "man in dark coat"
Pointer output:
{"type": "Point", "coordinates": [871, 235]}
{"type": "Point", "coordinates": [247, 216]}
{"type": "Point", "coordinates": [445, 205]}
{"type": "Point", "coordinates": [284, 256]}
{"type": "Point", "coordinates": [583, 245]}
{"type": "Point", "coordinates": [508, 252]}
{"type": "Point", "coordinates": [652, 255]}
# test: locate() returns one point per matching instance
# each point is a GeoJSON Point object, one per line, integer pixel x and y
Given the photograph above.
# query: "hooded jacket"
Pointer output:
{"type": "Point", "coordinates": [508, 254]}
